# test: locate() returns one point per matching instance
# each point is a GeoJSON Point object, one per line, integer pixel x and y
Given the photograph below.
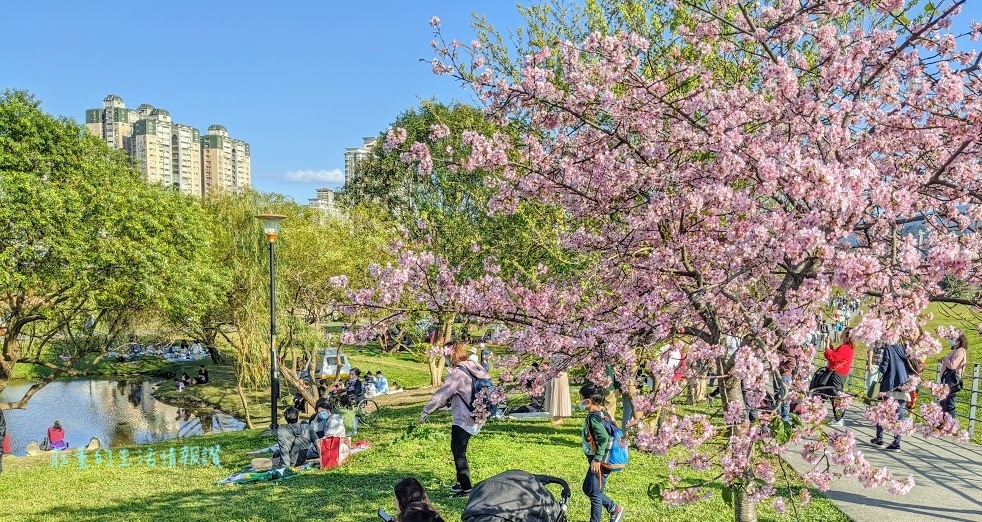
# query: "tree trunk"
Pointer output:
{"type": "Point", "coordinates": [9, 357]}
{"type": "Point", "coordinates": [399, 339]}
{"type": "Point", "coordinates": [213, 351]}
{"type": "Point", "coordinates": [696, 389]}
{"type": "Point", "coordinates": [744, 509]}
{"type": "Point", "coordinates": [440, 337]}
{"type": "Point", "coordinates": [216, 356]}
{"type": "Point", "coordinates": [436, 365]}
{"type": "Point", "coordinates": [307, 392]}
{"type": "Point", "coordinates": [337, 361]}
{"type": "Point", "coordinates": [245, 402]}
{"type": "Point", "coordinates": [731, 389]}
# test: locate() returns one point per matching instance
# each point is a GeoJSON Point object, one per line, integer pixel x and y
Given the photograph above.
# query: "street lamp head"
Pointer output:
{"type": "Point", "coordinates": [271, 225]}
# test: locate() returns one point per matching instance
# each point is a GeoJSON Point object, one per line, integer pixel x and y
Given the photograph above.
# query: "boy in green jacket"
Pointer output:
{"type": "Point", "coordinates": [596, 441]}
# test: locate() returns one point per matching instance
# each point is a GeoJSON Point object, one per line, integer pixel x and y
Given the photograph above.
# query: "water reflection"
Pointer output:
{"type": "Point", "coordinates": [117, 412]}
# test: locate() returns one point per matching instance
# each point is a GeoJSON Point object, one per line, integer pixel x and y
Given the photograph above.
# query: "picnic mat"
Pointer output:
{"type": "Point", "coordinates": [251, 476]}
{"type": "Point", "coordinates": [529, 415]}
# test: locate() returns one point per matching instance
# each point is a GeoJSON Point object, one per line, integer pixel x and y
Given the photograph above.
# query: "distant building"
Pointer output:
{"type": "Point", "coordinates": [226, 162]}
{"type": "Point", "coordinates": [170, 153]}
{"type": "Point", "coordinates": [324, 201]}
{"type": "Point", "coordinates": [355, 155]}
{"type": "Point", "coordinates": [112, 122]}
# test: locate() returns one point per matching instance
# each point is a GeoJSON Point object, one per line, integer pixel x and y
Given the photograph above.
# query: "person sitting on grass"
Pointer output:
{"type": "Point", "coordinates": [296, 441]}
{"type": "Point", "coordinates": [202, 375]}
{"type": "Point", "coordinates": [325, 422]}
{"type": "Point", "coordinates": [369, 386]}
{"type": "Point", "coordinates": [412, 504]}
{"type": "Point", "coordinates": [56, 437]}
{"type": "Point", "coordinates": [186, 379]}
{"type": "Point", "coordinates": [354, 389]}
{"type": "Point", "coordinates": [381, 383]}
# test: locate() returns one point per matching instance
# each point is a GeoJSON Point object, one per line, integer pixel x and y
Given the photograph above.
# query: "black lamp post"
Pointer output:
{"type": "Point", "coordinates": [271, 226]}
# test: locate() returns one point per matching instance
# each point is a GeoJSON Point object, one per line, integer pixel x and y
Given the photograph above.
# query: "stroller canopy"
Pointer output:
{"type": "Point", "coordinates": [516, 496]}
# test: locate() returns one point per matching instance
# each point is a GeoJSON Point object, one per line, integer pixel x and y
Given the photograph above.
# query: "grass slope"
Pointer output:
{"type": "Point", "coordinates": [30, 489]}
{"type": "Point", "coordinates": [958, 316]}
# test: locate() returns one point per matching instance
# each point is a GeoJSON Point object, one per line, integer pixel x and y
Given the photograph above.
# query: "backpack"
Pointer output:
{"type": "Point", "coordinates": [616, 456]}
{"type": "Point", "coordinates": [477, 386]}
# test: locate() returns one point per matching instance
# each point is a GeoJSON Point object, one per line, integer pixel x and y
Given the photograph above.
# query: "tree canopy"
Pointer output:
{"type": "Point", "coordinates": [87, 244]}
{"type": "Point", "coordinates": [728, 209]}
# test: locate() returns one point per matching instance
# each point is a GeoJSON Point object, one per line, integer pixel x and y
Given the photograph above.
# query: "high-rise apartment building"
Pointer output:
{"type": "Point", "coordinates": [226, 162]}
{"type": "Point", "coordinates": [355, 155]}
{"type": "Point", "coordinates": [113, 122]}
{"type": "Point", "coordinates": [170, 153]}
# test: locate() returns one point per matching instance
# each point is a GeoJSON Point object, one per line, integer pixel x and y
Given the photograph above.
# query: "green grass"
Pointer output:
{"type": "Point", "coordinates": [30, 489]}
{"type": "Point", "coordinates": [405, 369]}
{"type": "Point", "coordinates": [962, 318]}
{"type": "Point", "coordinates": [104, 368]}
{"type": "Point", "coordinates": [218, 394]}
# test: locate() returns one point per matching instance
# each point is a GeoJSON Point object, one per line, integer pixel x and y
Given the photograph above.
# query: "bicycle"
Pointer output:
{"type": "Point", "coordinates": [366, 409]}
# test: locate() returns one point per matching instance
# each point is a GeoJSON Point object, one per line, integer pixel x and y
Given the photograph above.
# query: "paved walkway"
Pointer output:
{"type": "Point", "coordinates": [947, 477]}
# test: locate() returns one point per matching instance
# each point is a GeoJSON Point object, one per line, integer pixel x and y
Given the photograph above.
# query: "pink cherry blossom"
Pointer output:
{"type": "Point", "coordinates": [712, 217]}
{"type": "Point", "coordinates": [901, 488]}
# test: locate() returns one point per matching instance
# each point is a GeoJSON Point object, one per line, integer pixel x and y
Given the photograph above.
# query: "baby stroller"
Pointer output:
{"type": "Point", "coordinates": [517, 496]}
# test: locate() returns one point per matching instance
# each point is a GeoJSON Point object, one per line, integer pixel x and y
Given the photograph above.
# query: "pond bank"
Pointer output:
{"type": "Point", "coordinates": [117, 412]}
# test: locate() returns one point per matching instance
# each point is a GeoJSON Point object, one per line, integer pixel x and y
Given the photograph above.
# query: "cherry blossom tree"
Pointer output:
{"type": "Point", "coordinates": [773, 153]}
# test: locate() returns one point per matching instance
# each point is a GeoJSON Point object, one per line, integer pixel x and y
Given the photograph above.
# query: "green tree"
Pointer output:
{"type": "Point", "coordinates": [316, 248]}
{"type": "Point", "coordinates": [447, 209]}
{"type": "Point", "coordinates": [312, 248]}
{"type": "Point", "coordinates": [87, 244]}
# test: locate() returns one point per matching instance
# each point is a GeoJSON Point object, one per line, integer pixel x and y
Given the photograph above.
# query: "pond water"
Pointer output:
{"type": "Point", "coordinates": [119, 413]}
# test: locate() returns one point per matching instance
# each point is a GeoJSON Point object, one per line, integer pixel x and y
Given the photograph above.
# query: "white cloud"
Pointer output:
{"type": "Point", "coordinates": [315, 176]}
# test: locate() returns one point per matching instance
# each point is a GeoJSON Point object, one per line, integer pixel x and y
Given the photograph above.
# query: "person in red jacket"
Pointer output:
{"type": "Point", "coordinates": [839, 363]}
{"type": "Point", "coordinates": [56, 437]}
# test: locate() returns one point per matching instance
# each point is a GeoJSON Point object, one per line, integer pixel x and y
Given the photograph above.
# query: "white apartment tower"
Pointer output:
{"type": "Point", "coordinates": [324, 200]}
{"type": "Point", "coordinates": [355, 155]}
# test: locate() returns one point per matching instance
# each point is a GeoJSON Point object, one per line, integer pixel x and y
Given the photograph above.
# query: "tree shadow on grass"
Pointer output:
{"type": "Point", "coordinates": [335, 495]}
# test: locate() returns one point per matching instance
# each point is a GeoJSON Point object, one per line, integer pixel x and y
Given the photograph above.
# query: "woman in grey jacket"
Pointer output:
{"type": "Point", "coordinates": [457, 390]}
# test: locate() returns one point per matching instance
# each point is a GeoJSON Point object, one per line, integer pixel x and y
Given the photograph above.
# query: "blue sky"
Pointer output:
{"type": "Point", "coordinates": [299, 81]}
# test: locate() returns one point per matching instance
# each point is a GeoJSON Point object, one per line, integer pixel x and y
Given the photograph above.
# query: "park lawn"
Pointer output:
{"type": "Point", "coordinates": [220, 392]}
{"type": "Point", "coordinates": [405, 369]}
{"type": "Point", "coordinates": [962, 318]}
{"type": "Point", "coordinates": [104, 368]}
{"type": "Point", "coordinates": [31, 489]}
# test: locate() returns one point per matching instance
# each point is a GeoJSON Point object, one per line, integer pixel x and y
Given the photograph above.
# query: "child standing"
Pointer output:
{"type": "Point", "coordinates": [596, 442]}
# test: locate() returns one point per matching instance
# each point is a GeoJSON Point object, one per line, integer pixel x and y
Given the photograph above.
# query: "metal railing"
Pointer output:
{"type": "Point", "coordinates": [966, 403]}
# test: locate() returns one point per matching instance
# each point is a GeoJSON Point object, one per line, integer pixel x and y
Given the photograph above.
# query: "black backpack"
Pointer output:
{"type": "Point", "coordinates": [477, 386]}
